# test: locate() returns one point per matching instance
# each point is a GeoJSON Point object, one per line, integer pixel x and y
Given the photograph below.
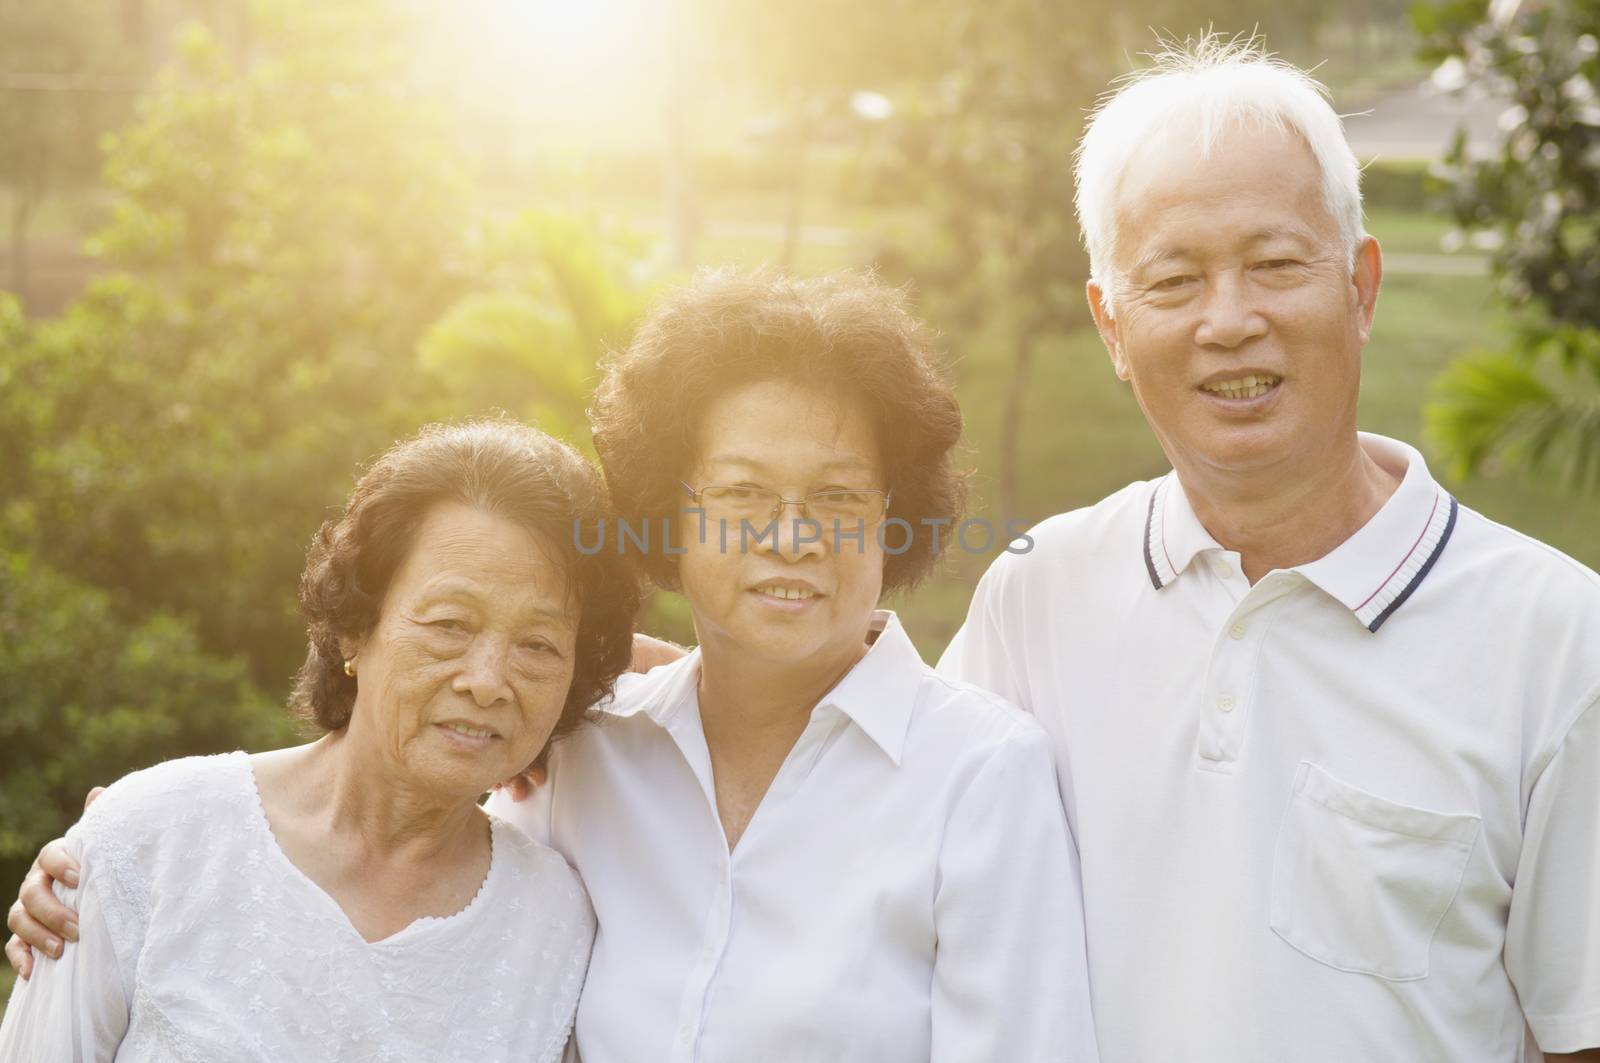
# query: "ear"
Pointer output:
{"type": "Point", "coordinates": [1367, 276]}
{"type": "Point", "coordinates": [1099, 306]}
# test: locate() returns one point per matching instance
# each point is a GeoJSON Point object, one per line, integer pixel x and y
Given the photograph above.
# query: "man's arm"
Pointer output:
{"type": "Point", "coordinates": [982, 652]}
{"type": "Point", "coordinates": [1553, 929]}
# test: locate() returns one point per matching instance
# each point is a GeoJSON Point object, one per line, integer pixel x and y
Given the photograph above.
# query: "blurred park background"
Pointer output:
{"type": "Point", "coordinates": [246, 245]}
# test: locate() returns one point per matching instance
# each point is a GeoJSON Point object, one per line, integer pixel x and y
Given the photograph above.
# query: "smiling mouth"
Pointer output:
{"type": "Point", "coordinates": [1244, 387]}
{"type": "Point", "coordinates": [791, 594]}
{"type": "Point", "coordinates": [468, 732]}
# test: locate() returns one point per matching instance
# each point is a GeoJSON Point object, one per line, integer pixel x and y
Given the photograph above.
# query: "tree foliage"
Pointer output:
{"type": "Point", "coordinates": [298, 274]}
{"type": "Point", "coordinates": [90, 693]}
{"type": "Point", "coordinates": [988, 149]}
{"type": "Point", "coordinates": [1539, 199]}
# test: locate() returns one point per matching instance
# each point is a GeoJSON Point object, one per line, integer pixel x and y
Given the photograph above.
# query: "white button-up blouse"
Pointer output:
{"type": "Point", "coordinates": [907, 890]}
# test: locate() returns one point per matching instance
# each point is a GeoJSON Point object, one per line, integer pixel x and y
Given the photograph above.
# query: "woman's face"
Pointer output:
{"type": "Point", "coordinates": [465, 674]}
{"type": "Point", "coordinates": [780, 598]}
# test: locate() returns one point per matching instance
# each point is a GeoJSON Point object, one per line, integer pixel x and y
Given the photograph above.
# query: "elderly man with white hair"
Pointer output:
{"type": "Point", "coordinates": [1328, 740]}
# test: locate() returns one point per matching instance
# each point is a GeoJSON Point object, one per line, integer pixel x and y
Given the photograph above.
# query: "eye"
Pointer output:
{"type": "Point", "coordinates": [736, 492]}
{"type": "Point", "coordinates": [1167, 284]}
{"type": "Point", "coordinates": [1277, 263]}
{"type": "Point", "coordinates": [541, 646]}
{"type": "Point", "coordinates": [448, 624]}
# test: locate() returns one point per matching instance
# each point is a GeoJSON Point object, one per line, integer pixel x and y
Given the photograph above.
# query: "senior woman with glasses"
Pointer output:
{"type": "Point", "coordinates": [348, 899]}
{"type": "Point", "coordinates": [800, 842]}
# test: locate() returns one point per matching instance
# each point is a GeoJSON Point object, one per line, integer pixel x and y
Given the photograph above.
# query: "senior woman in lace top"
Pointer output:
{"type": "Point", "coordinates": [348, 898]}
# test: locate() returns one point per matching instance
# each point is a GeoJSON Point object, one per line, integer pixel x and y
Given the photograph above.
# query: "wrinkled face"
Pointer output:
{"type": "Point", "coordinates": [1239, 320]}
{"type": "Point", "coordinates": [793, 595]}
{"type": "Point", "coordinates": [464, 676]}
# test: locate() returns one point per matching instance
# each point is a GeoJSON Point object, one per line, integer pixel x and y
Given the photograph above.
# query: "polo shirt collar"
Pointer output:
{"type": "Point", "coordinates": [877, 695]}
{"type": "Point", "coordinates": [1372, 573]}
{"type": "Point", "coordinates": [1173, 535]}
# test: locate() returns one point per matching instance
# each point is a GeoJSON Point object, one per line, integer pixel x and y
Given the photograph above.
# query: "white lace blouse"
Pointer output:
{"type": "Point", "coordinates": [200, 941]}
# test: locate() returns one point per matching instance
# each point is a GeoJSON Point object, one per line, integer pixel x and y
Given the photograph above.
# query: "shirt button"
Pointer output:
{"type": "Point", "coordinates": [1226, 703]}
{"type": "Point", "coordinates": [685, 1035]}
{"type": "Point", "coordinates": [1237, 631]}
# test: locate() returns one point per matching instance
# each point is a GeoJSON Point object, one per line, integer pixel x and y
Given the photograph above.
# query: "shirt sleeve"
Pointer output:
{"type": "Point", "coordinates": [1552, 950]}
{"type": "Point", "coordinates": [982, 652]}
{"type": "Point", "coordinates": [75, 1009]}
{"type": "Point", "coordinates": [1010, 976]}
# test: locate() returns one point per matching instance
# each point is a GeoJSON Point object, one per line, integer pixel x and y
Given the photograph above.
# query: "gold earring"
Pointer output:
{"type": "Point", "coordinates": [350, 667]}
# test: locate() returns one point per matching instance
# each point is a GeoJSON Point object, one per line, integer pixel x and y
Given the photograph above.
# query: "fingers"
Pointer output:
{"type": "Point", "coordinates": [57, 863]}
{"type": "Point", "coordinates": [649, 652]}
{"type": "Point", "coordinates": [28, 933]}
{"type": "Point", "coordinates": [20, 957]}
{"type": "Point", "coordinates": [39, 918]}
{"type": "Point", "coordinates": [94, 792]}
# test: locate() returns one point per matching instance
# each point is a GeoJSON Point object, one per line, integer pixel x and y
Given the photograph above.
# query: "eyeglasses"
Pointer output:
{"type": "Point", "coordinates": [747, 502]}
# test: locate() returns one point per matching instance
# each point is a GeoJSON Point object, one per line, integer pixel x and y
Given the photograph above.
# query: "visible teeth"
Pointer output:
{"type": "Point", "coordinates": [791, 593]}
{"type": "Point", "coordinates": [470, 732]}
{"type": "Point", "coordinates": [1245, 387]}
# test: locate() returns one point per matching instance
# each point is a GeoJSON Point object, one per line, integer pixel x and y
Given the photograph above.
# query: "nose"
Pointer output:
{"type": "Point", "coordinates": [1228, 315]}
{"type": "Point", "coordinates": [483, 672]}
{"type": "Point", "coordinates": [792, 538]}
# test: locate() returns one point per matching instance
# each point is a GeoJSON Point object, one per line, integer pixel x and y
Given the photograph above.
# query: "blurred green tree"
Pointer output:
{"type": "Point", "coordinates": [284, 231]}
{"type": "Point", "coordinates": [556, 290]}
{"type": "Point", "coordinates": [1537, 199]}
{"type": "Point", "coordinates": [90, 694]}
{"type": "Point", "coordinates": [988, 148]}
{"type": "Point", "coordinates": [300, 275]}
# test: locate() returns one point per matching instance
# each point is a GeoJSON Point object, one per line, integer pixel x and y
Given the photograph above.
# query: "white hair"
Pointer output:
{"type": "Point", "coordinates": [1210, 86]}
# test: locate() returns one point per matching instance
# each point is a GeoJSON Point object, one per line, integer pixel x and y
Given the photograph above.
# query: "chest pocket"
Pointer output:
{"type": "Point", "coordinates": [1361, 883]}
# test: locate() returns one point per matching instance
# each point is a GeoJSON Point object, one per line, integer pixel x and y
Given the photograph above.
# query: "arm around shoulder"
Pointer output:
{"type": "Point", "coordinates": [74, 1009]}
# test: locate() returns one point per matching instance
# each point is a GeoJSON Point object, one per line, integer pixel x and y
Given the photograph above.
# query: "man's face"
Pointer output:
{"type": "Point", "coordinates": [1239, 320]}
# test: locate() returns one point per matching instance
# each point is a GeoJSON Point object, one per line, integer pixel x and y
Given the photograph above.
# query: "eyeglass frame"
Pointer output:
{"type": "Point", "coordinates": [803, 502]}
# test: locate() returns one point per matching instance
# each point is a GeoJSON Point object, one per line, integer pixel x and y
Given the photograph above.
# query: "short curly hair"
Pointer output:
{"type": "Point", "coordinates": [499, 466]}
{"type": "Point", "coordinates": [845, 333]}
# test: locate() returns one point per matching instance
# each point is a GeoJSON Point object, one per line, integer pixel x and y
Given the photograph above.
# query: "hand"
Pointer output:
{"type": "Point", "coordinates": [37, 920]}
{"type": "Point", "coordinates": [649, 652]}
{"type": "Point", "coordinates": [522, 785]}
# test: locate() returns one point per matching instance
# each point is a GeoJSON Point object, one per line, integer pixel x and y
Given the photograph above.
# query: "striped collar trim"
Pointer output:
{"type": "Point", "coordinates": [1413, 568]}
{"type": "Point", "coordinates": [1173, 535]}
{"type": "Point", "coordinates": [1372, 573]}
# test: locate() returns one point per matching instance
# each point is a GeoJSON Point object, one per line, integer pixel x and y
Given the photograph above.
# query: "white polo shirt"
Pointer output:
{"type": "Point", "coordinates": [1351, 813]}
{"type": "Point", "coordinates": [906, 891]}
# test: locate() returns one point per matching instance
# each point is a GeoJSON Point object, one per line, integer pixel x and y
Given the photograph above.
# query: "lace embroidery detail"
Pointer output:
{"type": "Point", "coordinates": [233, 951]}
